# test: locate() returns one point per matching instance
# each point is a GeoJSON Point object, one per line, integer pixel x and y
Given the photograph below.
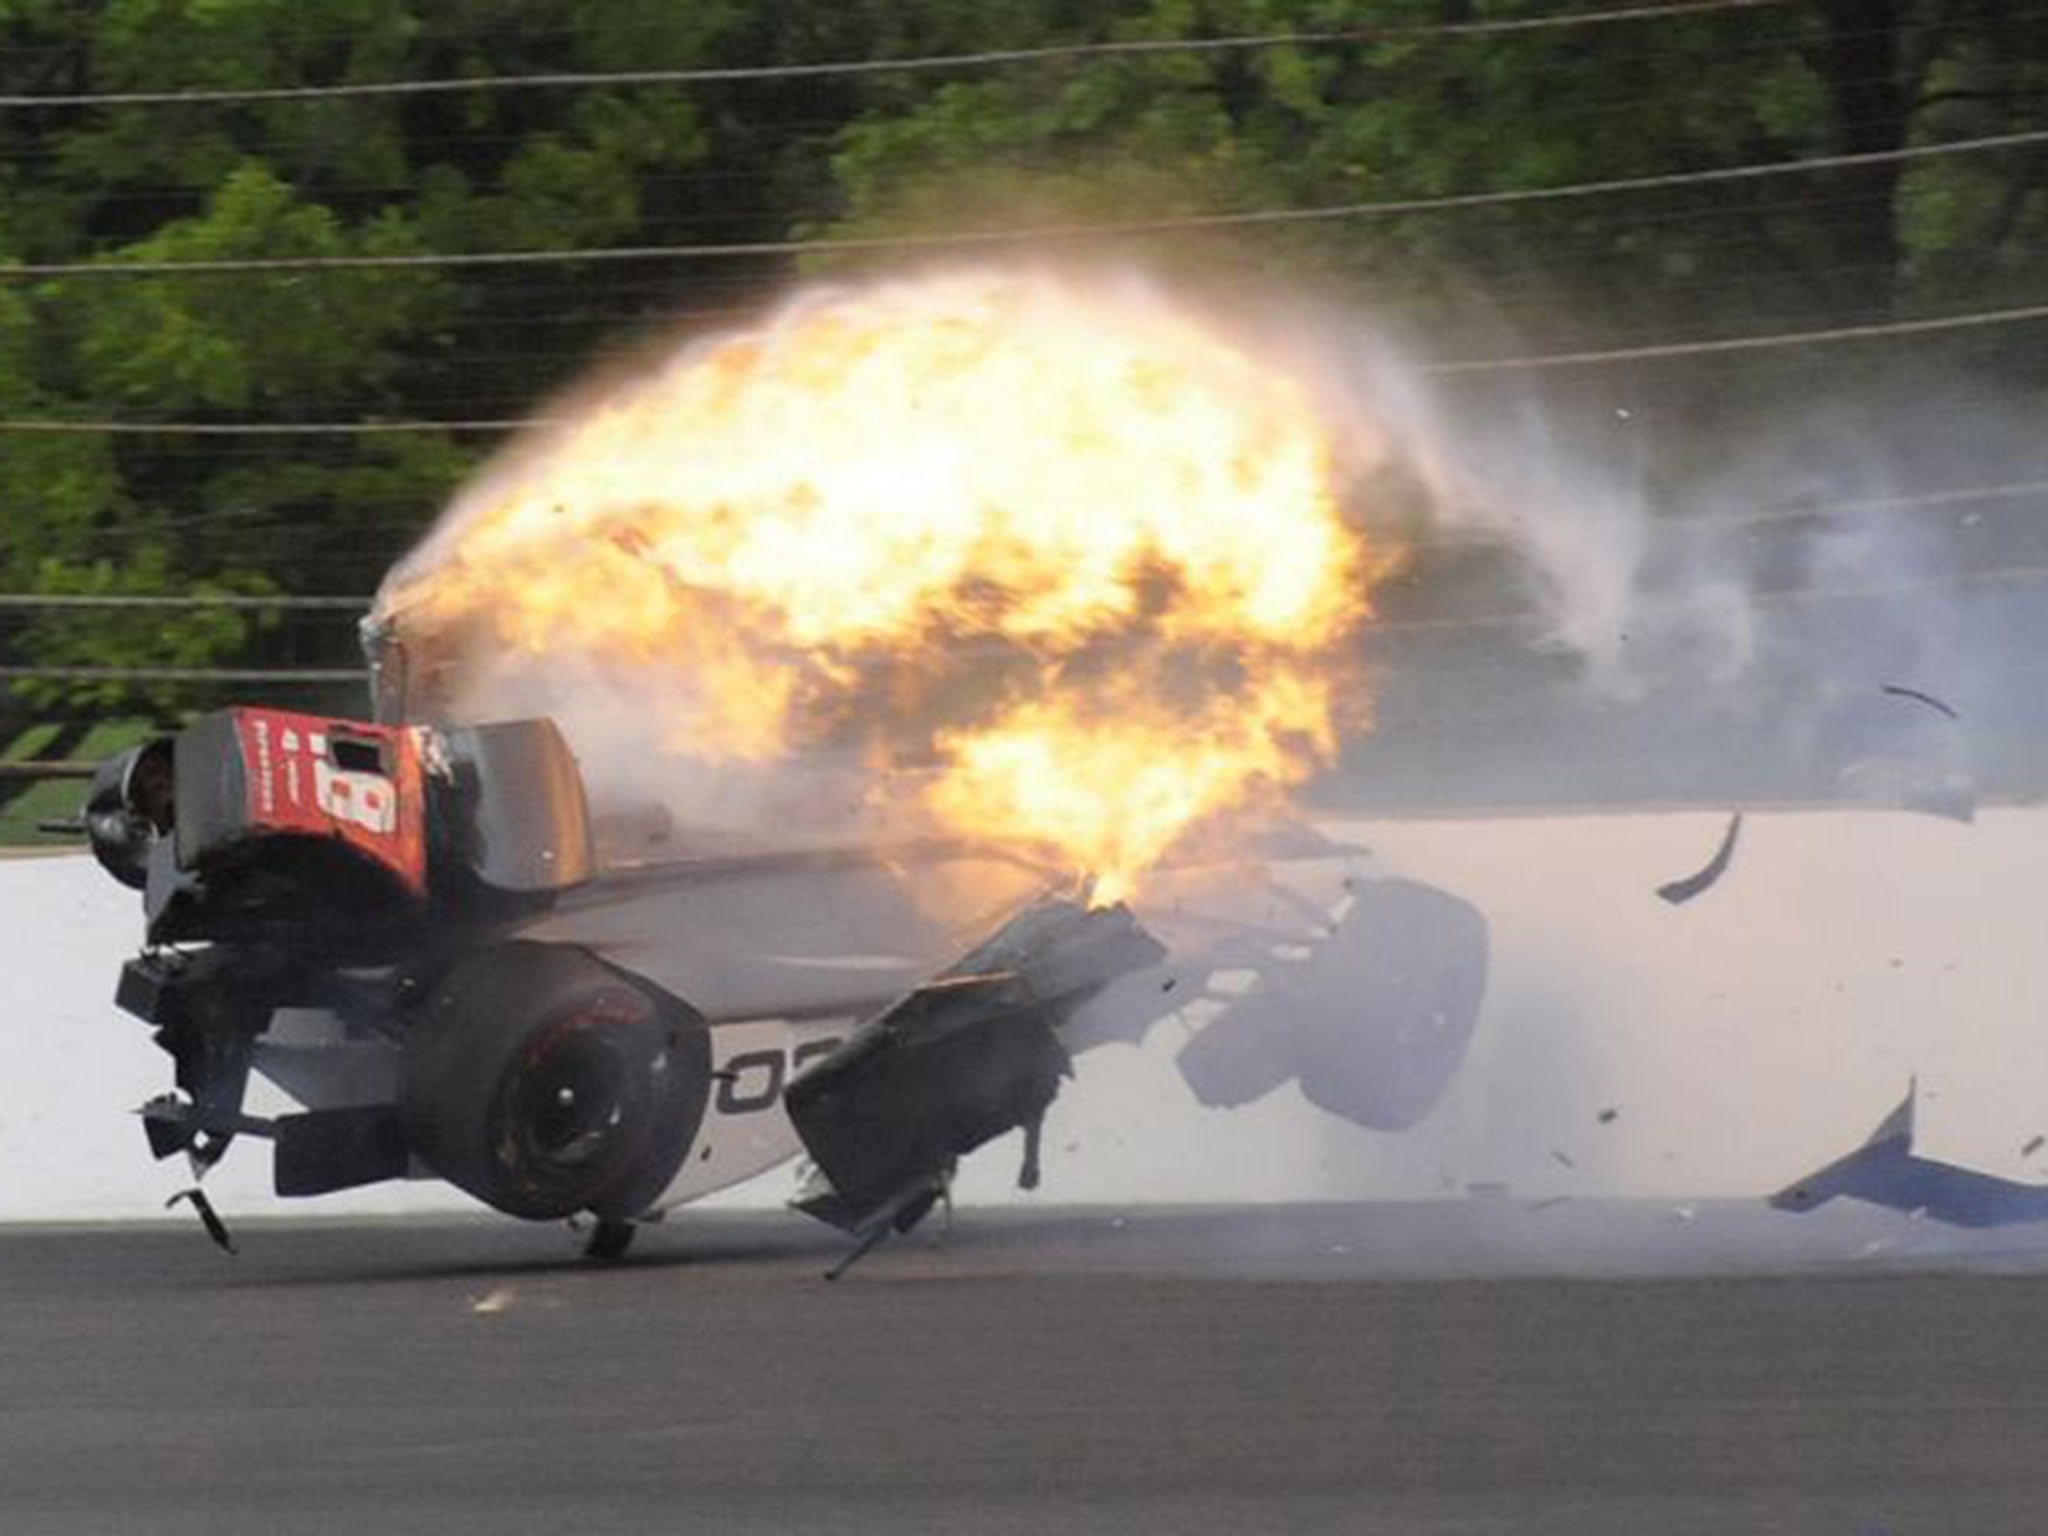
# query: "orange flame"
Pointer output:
{"type": "Point", "coordinates": [1079, 554]}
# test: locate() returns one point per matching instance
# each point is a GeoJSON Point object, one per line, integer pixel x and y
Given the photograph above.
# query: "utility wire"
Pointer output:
{"type": "Point", "coordinates": [636, 320]}
{"type": "Point", "coordinates": [1783, 597]}
{"type": "Point", "coordinates": [1045, 232]}
{"type": "Point", "coordinates": [271, 428]}
{"type": "Point", "coordinates": [1947, 497]}
{"type": "Point", "coordinates": [1515, 619]}
{"type": "Point", "coordinates": [917, 64]}
{"type": "Point", "coordinates": [1480, 536]}
{"type": "Point", "coordinates": [59, 600]}
{"type": "Point", "coordinates": [1589, 109]}
{"type": "Point", "coordinates": [1780, 339]}
{"type": "Point", "coordinates": [182, 675]}
{"type": "Point", "coordinates": [1745, 343]}
{"type": "Point", "coordinates": [2018, 490]}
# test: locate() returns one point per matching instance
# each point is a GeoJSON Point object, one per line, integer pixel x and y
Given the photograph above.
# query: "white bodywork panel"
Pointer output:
{"type": "Point", "coordinates": [760, 943]}
{"type": "Point", "coordinates": [746, 1131]}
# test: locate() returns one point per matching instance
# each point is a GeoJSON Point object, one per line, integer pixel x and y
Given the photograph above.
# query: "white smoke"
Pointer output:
{"type": "Point", "coordinates": [1765, 598]}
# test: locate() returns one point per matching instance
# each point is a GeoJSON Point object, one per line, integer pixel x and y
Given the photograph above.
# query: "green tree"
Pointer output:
{"type": "Point", "coordinates": [379, 176]}
{"type": "Point", "coordinates": [1431, 114]}
{"type": "Point", "coordinates": [1083, 138]}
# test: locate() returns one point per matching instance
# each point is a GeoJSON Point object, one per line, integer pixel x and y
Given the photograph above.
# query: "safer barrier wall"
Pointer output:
{"type": "Point", "coordinates": [1628, 1047]}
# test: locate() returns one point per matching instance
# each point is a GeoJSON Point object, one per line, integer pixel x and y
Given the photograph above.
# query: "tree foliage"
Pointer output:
{"type": "Point", "coordinates": [1087, 138]}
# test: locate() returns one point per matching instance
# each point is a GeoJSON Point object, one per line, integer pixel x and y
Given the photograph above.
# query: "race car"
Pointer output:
{"type": "Point", "coordinates": [421, 935]}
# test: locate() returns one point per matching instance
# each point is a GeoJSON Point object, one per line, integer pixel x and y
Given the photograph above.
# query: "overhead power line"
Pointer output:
{"type": "Point", "coordinates": [272, 139]}
{"type": "Point", "coordinates": [182, 674]}
{"type": "Point", "coordinates": [1958, 496]}
{"type": "Point", "coordinates": [1776, 339]}
{"type": "Point", "coordinates": [1978, 320]}
{"type": "Point", "coordinates": [271, 428]}
{"type": "Point", "coordinates": [1776, 597]}
{"type": "Point", "coordinates": [1788, 597]}
{"type": "Point", "coordinates": [63, 600]}
{"type": "Point", "coordinates": [1947, 496]}
{"type": "Point", "coordinates": [1476, 535]}
{"type": "Point", "coordinates": [925, 63]}
{"type": "Point", "coordinates": [971, 239]}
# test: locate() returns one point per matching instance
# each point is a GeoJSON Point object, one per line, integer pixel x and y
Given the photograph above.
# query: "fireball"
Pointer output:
{"type": "Point", "coordinates": [1068, 568]}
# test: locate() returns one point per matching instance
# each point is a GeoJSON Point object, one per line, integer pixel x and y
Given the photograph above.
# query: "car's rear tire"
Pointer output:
{"type": "Point", "coordinates": [545, 1081]}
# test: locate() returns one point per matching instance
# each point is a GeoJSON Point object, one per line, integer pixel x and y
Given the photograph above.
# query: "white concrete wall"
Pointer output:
{"type": "Point", "coordinates": [1764, 1027]}
{"type": "Point", "coordinates": [74, 1067]}
{"type": "Point", "coordinates": [1741, 1039]}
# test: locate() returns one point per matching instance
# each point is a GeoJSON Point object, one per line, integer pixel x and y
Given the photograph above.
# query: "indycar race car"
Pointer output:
{"type": "Point", "coordinates": [422, 936]}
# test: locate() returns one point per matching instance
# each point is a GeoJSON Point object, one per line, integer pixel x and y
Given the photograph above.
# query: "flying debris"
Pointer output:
{"type": "Point", "coordinates": [1678, 892]}
{"type": "Point", "coordinates": [1608, 1116]}
{"type": "Point", "coordinates": [2034, 1144]}
{"type": "Point", "coordinates": [1899, 691]}
{"type": "Point", "coordinates": [1886, 1171]}
{"type": "Point", "coordinates": [970, 1054]}
{"type": "Point", "coordinates": [208, 1216]}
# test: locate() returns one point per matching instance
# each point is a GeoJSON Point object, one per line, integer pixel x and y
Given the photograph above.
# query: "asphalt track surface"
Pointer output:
{"type": "Point", "coordinates": [1409, 1369]}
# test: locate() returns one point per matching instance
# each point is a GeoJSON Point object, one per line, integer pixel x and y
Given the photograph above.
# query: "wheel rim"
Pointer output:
{"type": "Point", "coordinates": [576, 1102]}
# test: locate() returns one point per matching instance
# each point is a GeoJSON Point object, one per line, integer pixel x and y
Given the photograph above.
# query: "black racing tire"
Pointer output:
{"type": "Point", "coordinates": [544, 1081]}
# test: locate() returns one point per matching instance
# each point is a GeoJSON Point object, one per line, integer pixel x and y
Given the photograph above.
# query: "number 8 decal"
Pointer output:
{"type": "Point", "coordinates": [366, 800]}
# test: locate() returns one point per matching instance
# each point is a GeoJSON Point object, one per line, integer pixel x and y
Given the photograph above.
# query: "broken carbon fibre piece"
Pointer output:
{"type": "Point", "coordinates": [954, 1063]}
{"type": "Point", "coordinates": [1900, 691]}
{"type": "Point", "coordinates": [208, 1216]}
{"type": "Point", "coordinates": [1678, 892]}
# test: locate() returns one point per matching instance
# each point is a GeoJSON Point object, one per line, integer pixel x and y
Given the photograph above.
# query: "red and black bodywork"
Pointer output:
{"type": "Point", "coordinates": [377, 876]}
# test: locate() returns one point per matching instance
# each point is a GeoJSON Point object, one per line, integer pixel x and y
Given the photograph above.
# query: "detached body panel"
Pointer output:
{"type": "Point", "coordinates": [1886, 1171]}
